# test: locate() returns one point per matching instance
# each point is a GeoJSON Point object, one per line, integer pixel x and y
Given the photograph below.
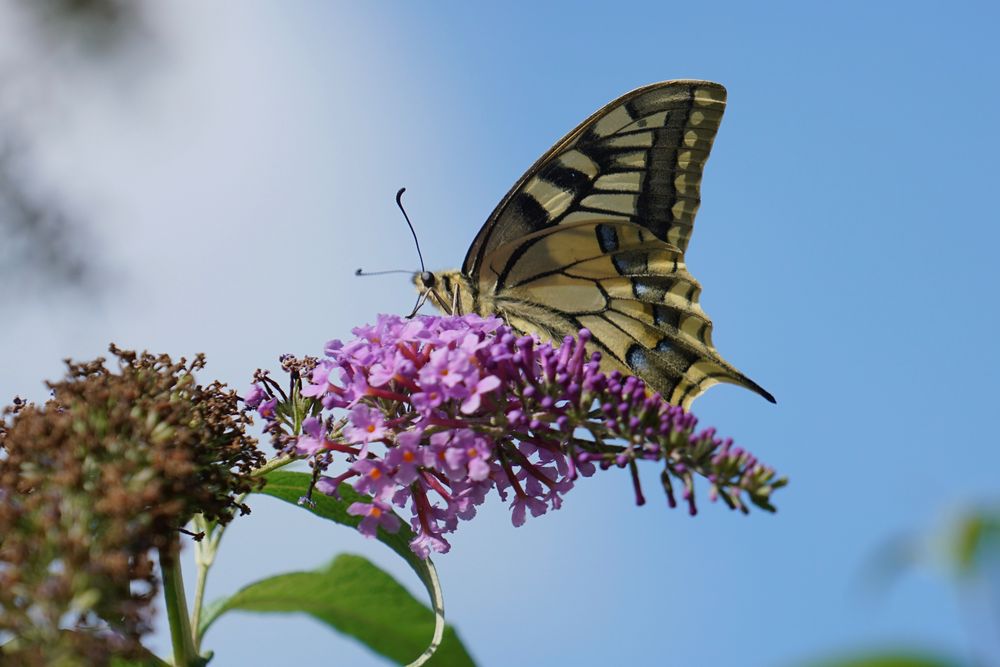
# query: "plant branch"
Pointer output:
{"type": "Point", "coordinates": [181, 638]}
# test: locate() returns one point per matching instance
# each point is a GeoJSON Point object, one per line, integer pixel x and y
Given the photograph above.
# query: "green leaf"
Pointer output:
{"type": "Point", "coordinates": [888, 660]}
{"type": "Point", "coordinates": [290, 486]}
{"type": "Point", "coordinates": [972, 539]}
{"type": "Point", "coordinates": [962, 545]}
{"type": "Point", "coordinates": [358, 599]}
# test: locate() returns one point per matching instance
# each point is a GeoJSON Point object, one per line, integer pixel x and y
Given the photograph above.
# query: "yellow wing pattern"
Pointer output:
{"type": "Point", "coordinates": [639, 160]}
{"type": "Point", "coordinates": [594, 236]}
{"type": "Point", "coordinates": [630, 289]}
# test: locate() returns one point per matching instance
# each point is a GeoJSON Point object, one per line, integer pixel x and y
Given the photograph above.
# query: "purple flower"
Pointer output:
{"type": "Point", "coordinates": [267, 409]}
{"type": "Point", "coordinates": [427, 401]}
{"type": "Point", "coordinates": [408, 457]}
{"type": "Point", "coordinates": [467, 455]}
{"type": "Point", "coordinates": [443, 411]}
{"type": "Point", "coordinates": [424, 543]}
{"type": "Point", "coordinates": [525, 502]}
{"type": "Point", "coordinates": [313, 439]}
{"type": "Point", "coordinates": [380, 374]}
{"type": "Point", "coordinates": [367, 425]}
{"type": "Point", "coordinates": [376, 514]}
{"type": "Point", "coordinates": [484, 386]}
{"type": "Point", "coordinates": [324, 387]}
{"type": "Point", "coordinates": [320, 383]}
{"type": "Point", "coordinates": [254, 396]}
{"type": "Point", "coordinates": [445, 369]}
{"type": "Point", "coordinates": [374, 478]}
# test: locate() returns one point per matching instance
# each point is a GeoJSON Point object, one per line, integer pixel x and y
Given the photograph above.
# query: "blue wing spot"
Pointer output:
{"type": "Point", "coordinates": [637, 358]}
{"type": "Point", "coordinates": [649, 288]}
{"type": "Point", "coordinates": [665, 315]}
{"type": "Point", "coordinates": [607, 238]}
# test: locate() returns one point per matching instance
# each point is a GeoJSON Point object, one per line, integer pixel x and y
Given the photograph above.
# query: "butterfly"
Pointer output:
{"type": "Point", "coordinates": [594, 235]}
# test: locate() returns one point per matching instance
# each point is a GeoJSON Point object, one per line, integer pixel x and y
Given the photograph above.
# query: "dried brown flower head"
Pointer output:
{"type": "Point", "coordinates": [91, 482]}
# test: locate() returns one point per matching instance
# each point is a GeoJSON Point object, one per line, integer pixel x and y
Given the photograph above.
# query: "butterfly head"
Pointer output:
{"type": "Point", "coordinates": [449, 291]}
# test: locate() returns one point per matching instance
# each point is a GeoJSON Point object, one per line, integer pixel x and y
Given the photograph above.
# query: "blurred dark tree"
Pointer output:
{"type": "Point", "coordinates": [102, 28]}
{"type": "Point", "coordinates": [45, 244]}
{"type": "Point", "coordinates": [40, 240]}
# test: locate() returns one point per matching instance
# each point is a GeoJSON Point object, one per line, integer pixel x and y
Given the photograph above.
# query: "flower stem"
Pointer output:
{"type": "Point", "coordinates": [274, 464]}
{"type": "Point", "coordinates": [199, 597]}
{"type": "Point", "coordinates": [185, 654]}
{"type": "Point", "coordinates": [204, 557]}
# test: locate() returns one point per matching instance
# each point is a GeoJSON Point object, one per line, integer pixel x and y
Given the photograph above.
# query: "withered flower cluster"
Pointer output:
{"type": "Point", "coordinates": [91, 482]}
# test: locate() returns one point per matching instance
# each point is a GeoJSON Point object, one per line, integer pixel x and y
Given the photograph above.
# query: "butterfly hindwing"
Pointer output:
{"type": "Point", "coordinates": [639, 159]}
{"type": "Point", "coordinates": [629, 288]}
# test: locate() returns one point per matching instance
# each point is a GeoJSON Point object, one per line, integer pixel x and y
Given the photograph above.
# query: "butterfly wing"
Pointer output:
{"type": "Point", "coordinates": [639, 159]}
{"type": "Point", "coordinates": [629, 288]}
{"type": "Point", "coordinates": [594, 235]}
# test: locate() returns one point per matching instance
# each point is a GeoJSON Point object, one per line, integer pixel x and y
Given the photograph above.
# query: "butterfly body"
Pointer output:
{"type": "Point", "coordinates": [594, 235]}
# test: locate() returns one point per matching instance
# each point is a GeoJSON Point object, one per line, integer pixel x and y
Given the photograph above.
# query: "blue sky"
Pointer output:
{"type": "Point", "coordinates": [846, 245]}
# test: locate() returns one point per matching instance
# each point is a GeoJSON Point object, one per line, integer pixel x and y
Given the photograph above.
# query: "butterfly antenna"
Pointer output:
{"type": "Point", "coordinates": [422, 298]}
{"type": "Point", "coordinates": [360, 272]}
{"type": "Point", "coordinates": [399, 203]}
{"type": "Point", "coordinates": [420, 255]}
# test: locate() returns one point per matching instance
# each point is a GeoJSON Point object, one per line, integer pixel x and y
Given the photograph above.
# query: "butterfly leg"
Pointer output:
{"type": "Point", "coordinates": [502, 314]}
{"type": "Point", "coordinates": [454, 299]}
{"type": "Point", "coordinates": [421, 300]}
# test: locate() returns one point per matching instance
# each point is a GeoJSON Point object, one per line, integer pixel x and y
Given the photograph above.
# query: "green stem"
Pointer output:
{"type": "Point", "coordinates": [185, 654]}
{"type": "Point", "coordinates": [274, 464]}
{"type": "Point", "coordinates": [204, 556]}
{"type": "Point", "coordinates": [206, 549]}
{"type": "Point", "coordinates": [199, 597]}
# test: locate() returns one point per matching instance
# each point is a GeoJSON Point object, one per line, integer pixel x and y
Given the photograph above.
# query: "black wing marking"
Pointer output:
{"type": "Point", "coordinates": [628, 287]}
{"type": "Point", "coordinates": [639, 159]}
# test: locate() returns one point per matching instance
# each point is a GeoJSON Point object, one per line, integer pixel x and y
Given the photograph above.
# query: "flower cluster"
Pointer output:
{"type": "Point", "coordinates": [112, 467]}
{"type": "Point", "coordinates": [433, 413]}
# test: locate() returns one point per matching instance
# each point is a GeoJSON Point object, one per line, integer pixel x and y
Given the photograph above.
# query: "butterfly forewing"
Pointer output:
{"type": "Point", "coordinates": [639, 160]}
